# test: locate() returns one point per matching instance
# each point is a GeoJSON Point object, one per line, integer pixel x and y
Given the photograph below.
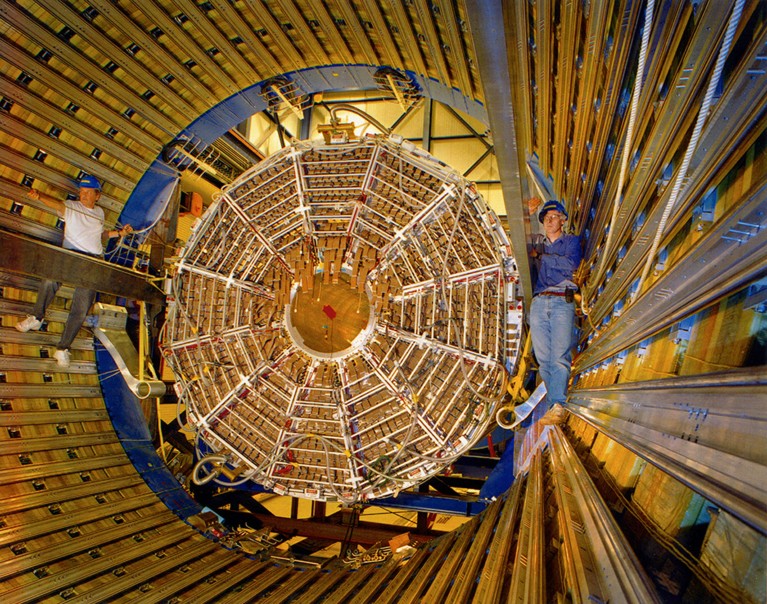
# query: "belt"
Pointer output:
{"type": "Point", "coordinates": [558, 294]}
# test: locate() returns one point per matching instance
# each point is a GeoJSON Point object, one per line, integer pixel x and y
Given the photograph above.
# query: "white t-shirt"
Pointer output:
{"type": "Point", "coordinates": [83, 228]}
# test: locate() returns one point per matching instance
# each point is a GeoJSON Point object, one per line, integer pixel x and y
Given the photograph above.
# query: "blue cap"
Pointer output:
{"type": "Point", "coordinates": [89, 182]}
{"type": "Point", "coordinates": [549, 206]}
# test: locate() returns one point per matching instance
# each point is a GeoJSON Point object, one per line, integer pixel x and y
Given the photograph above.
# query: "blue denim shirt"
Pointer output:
{"type": "Point", "coordinates": [558, 262]}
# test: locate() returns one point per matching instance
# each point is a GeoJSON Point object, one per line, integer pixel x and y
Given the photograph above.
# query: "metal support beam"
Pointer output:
{"type": "Point", "coordinates": [27, 256]}
{"type": "Point", "coordinates": [487, 30]}
{"type": "Point", "coordinates": [428, 110]}
{"type": "Point", "coordinates": [364, 533]}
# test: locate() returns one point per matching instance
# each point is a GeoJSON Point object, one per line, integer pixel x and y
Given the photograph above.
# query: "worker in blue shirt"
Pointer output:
{"type": "Point", "coordinates": [556, 256]}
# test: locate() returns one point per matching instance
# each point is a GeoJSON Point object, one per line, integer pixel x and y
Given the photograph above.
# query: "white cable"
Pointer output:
{"type": "Point", "coordinates": [649, 8]}
{"type": "Point", "coordinates": [702, 115]}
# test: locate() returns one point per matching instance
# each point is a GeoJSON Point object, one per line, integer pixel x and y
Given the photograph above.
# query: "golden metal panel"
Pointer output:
{"type": "Point", "coordinates": [111, 12]}
{"type": "Point", "coordinates": [237, 22]}
{"type": "Point", "coordinates": [132, 67]}
{"type": "Point", "coordinates": [208, 29]}
{"type": "Point", "coordinates": [54, 81]}
{"type": "Point", "coordinates": [458, 53]}
{"type": "Point", "coordinates": [25, 500]}
{"type": "Point", "coordinates": [128, 551]}
{"type": "Point", "coordinates": [26, 531]}
{"type": "Point", "coordinates": [30, 445]}
{"type": "Point", "coordinates": [332, 33]}
{"type": "Point", "coordinates": [72, 56]}
{"type": "Point", "coordinates": [292, 58]}
{"type": "Point", "coordinates": [185, 41]}
{"type": "Point", "coordinates": [432, 42]}
{"type": "Point", "coordinates": [297, 19]}
{"type": "Point", "coordinates": [375, 56]}
{"type": "Point", "coordinates": [180, 570]}
{"type": "Point", "coordinates": [23, 473]}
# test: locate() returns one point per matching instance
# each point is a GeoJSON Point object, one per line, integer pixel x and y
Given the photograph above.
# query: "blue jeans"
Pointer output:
{"type": "Point", "coordinates": [552, 320]}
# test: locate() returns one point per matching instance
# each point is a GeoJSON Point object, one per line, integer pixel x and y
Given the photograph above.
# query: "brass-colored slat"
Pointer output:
{"type": "Point", "coordinates": [321, 588]}
{"type": "Point", "coordinates": [494, 569]}
{"type": "Point", "coordinates": [744, 132]}
{"type": "Point", "coordinates": [17, 223]}
{"type": "Point", "coordinates": [24, 308]}
{"type": "Point", "coordinates": [297, 583]}
{"type": "Point", "coordinates": [298, 21]}
{"type": "Point", "coordinates": [414, 589]}
{"type": "Point", "coordinates": [521, 77]}
{"type": "Point", "coordinates": [459, 551]}
{"type": "Point", "coordinates": [548, 141]}
{"type": "Point", "coordinates": [590, 533]}
{"type": "Point", "coordinates": [40, 71]}
{"type": "Point", "coordinates": [41, 338]}
{"type": "Point", "coordinates": [48, 391]}
{"type": "Point", "coordinates": [391, 55]}
{"type": "Point", "coordinates": [593, 49]}
{"type": "Point", "coordinates": [404, 575]}
{"type": "Point", "coordinates": [88, 31]}
{"type": "Point", "coordinates": [246, 570]}
{"type": "Point", "coordinates": [36, 364]}
{"type": "Point", "coordinates": [35, 471]}
{"type": "Point", "coordinates": [214, 561]}
{"type": "Point", "coordinates": [414, 54]}
{"type": "Point", "coordinates": [659, 65]}
{"type": "Point", "coordinates": [42, 172]}
{"type": "Point", "coordinates": [59, 416]}
{"type": "Point", "coordinates": [185, 41]}
{"type": "Point", "coordinates": [466, 578]}
{"type": "Point", "coordinates": [263, 583]}
{"type": "Point", "coordinates": [664, 139]}
{"type": "Point", "coordinates": [72, 56]}
{"type": "Point", "coordinates": [51, 584]}
{"type": "Point", "coordinates": [293, 59]}
{"type": "Point", "coordinates": [245, 31]}
{"type": "Point", "coordinates": [29, 561]}
{"type": "Point", "coordinates": [207, 27]}
{"type": "Point", "coordinates": [332, 33]}
{"type": "Point", "coordinates": [610, 98]}
{"type": "Point", "coordinates": [14, 446]}
{"type": "Point", "coordinates": [351, 582]}
{"type": "Point", "coordinates": [561, 83]}
{"type": "Point", "coordinates": [28, 99]}
{"type": "Point", "coordinates": [27, 501]}
{"type": "Point", "coordinates": [378, 584]}
{"type": "Point", "coordinates": [117, 17]}
{"type": "Point", "coordinates": [527, 579]}
{"type": "Point", "coordinates": [426, 20]}
{"type": "Point", "coordinates": [458, 51]}
{"type": "Point", "coordinates": [83, 515]}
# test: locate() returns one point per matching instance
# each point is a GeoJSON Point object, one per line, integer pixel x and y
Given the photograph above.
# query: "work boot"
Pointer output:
{"type": "Point", "coordinates": [31, 323]}
{"type": "Point", "coordinates": [554, 416]}
{"type": "Point", "coordinates": [62, 358]}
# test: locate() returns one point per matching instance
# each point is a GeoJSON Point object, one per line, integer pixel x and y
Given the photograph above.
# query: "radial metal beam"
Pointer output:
{"type": "Point", "coordinates": [490, 42]}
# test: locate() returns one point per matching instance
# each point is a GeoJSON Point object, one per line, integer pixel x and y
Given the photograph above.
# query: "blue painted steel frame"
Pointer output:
{"type": "Point", "coordinates": [499, 481]}
{"type": "Point", "coordinates": [130, 425]}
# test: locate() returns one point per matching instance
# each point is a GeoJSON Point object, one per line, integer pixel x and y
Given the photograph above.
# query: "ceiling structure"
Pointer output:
{"type": "Point", "coordinates": [647, 119]}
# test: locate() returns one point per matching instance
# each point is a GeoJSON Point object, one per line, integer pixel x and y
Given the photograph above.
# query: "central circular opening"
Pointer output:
{"type": "Point", "coordinates": [329, 317]}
